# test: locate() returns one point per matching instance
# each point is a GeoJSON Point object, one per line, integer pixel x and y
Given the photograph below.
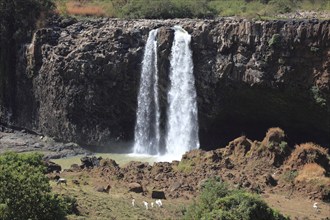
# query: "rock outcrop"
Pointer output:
{"type": "Point", "coordinates": [273, 167]}
{"type": "Point", "coordinates": [79, 79]}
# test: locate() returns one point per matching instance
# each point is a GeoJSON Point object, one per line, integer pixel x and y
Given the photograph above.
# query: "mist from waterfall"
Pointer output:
{"type": "Point", "coordinates": [182, 118]}
{"type": "Point", "coordinates": [147, 132]}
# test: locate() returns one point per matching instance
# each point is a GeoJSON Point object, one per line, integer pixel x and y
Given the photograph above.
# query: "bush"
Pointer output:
{"type": "Point", "coordinates": [25, 190]}
{"type": "Point", "coordinates": [275, 40]}
{"type": "Point", "coordinates": [164, 9]}
{"type": "Point", "coordinates": [217, 201]}
{"type": "Point", "coordinates": [289, 176]}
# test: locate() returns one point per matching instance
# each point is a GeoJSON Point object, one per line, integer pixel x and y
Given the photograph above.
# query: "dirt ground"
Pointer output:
{"type": "Point", "coordinates": [297, 207]}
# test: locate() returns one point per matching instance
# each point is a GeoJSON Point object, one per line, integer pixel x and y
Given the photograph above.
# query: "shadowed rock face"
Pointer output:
{"type": "Point", "coordinates": [79, 82]}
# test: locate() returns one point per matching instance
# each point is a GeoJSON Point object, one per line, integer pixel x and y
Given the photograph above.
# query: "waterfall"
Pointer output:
{"type": "Point", "coordinates": [147, 134]}
{"type": "Point", "coordinates": [182, 120]}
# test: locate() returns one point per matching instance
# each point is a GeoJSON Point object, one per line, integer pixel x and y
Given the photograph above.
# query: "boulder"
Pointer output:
{"type": "Point", "coordinates": [135, 187]}
{"type": "Point", "coordinates": [175, 186]}
{"type": "Point", "coordinates": [52, 167]}
{"type": "Point", "coordinates": [75, 167]}
{"type": "Point", "coordinates": [157, 194]}
{"type": "Point", "coordinates": [105, 189]}
{"type": "Point", "coordinates": [269, 180]}
{"type": "Point", "coordinates": [90, 162]}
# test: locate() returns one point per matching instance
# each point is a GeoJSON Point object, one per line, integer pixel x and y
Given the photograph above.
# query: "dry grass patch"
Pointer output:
{"type": "Point", "coordinates": [273, 135]}
{"type": "Point", "coordinates": [311, 170]}
{"type": "Point", "coordinates": [77, 8]}
{"type": "Point", "coordinates": [313, 173]}
{"type": "Point", "coordinates": [308, 153]}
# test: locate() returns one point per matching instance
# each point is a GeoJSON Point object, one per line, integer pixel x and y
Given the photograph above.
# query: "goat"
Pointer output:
{"type": "Point", "coordinates": [145, 204]}
{"type": "Point", "coordinates": [316, 207]}
{"type": "Point", "coordinates": [61, 180]}
{"type": "Point", "coordinates": [159, 203]}
{"type": "Point", "coordinates": [133, 202]}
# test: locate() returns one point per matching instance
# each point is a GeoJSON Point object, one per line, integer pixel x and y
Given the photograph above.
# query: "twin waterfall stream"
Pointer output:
{"type": "Point", "coordinates": [181, 132]}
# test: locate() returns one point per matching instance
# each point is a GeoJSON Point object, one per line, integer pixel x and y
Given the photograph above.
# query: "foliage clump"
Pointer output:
{"type": "Point", "coordinates": [188, 9]}
{"type": "Point", "coordinates": [318, 95]}
{"type": "Point", "coordinates": [25, 192]}
{"type": "Point", "coordinates": [275, 40]}
{"type": "Point", "coordinates": [217, 201]}
{"type": "Point", "coordinates": [164, 9]}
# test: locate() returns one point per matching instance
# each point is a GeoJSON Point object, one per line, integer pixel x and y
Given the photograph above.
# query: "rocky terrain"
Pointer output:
{"type": "Point", "coordinates": [271, 168]}
{"type": "Point", "coordinates": [78, 80]}
{"type": "Point", "coordinates": [27, 141]}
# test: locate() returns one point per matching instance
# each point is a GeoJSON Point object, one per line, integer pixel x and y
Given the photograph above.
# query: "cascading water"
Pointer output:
{"type": "Point", "coordinates": [182, 119]}
{"type": "Point", "coordinates": [147, 134]}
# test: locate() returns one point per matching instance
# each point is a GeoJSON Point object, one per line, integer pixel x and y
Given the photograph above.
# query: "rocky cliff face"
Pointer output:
{"type": "Point", "coordinates": [79, 80]}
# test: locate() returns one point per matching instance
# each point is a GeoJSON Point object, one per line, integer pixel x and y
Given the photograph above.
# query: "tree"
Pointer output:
{"type": "Point", "coordinates": [217, 201]}
{"type": "Point", "coordinates": [25, 190]}
{"type": "Point", "coordinates": [17, 21]}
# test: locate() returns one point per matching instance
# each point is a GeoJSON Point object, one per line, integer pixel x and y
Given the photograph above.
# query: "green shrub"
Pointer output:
{"type": "Point", "coordinates": [275, 40]}
{"type": "Point", "coordinates": [164, 9]}
{"type": "Point", "coordinates": [318, 97]}
{"type": "Point", "coordinates": [283, 6]}
{"type": "Point", "coordinates": [217, 201]}
{"type": "Point", "coordinates": [186, 166]}
{"type": "Point", "coordinates": [25, 190]}
{"type": "Point", "coordinates": [314, 49]}
{"type": "Point", "coordinates": [289, 176]}
{"type": "Point", "coordinates": [283, 146]}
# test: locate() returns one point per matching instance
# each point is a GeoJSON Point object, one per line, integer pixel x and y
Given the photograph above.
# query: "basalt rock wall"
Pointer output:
{"type": "Point", "coordinates": [78, 80]}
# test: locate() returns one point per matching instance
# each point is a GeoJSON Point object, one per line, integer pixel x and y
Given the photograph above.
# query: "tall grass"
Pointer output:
{"type": "Point", "coordinates": [315, 5]}
{"type": "Point", "coordinates": [76, 8]}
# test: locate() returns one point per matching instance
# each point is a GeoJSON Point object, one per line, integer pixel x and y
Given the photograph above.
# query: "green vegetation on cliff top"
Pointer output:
{"type": "Point", "coordinates": [187, 9]}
